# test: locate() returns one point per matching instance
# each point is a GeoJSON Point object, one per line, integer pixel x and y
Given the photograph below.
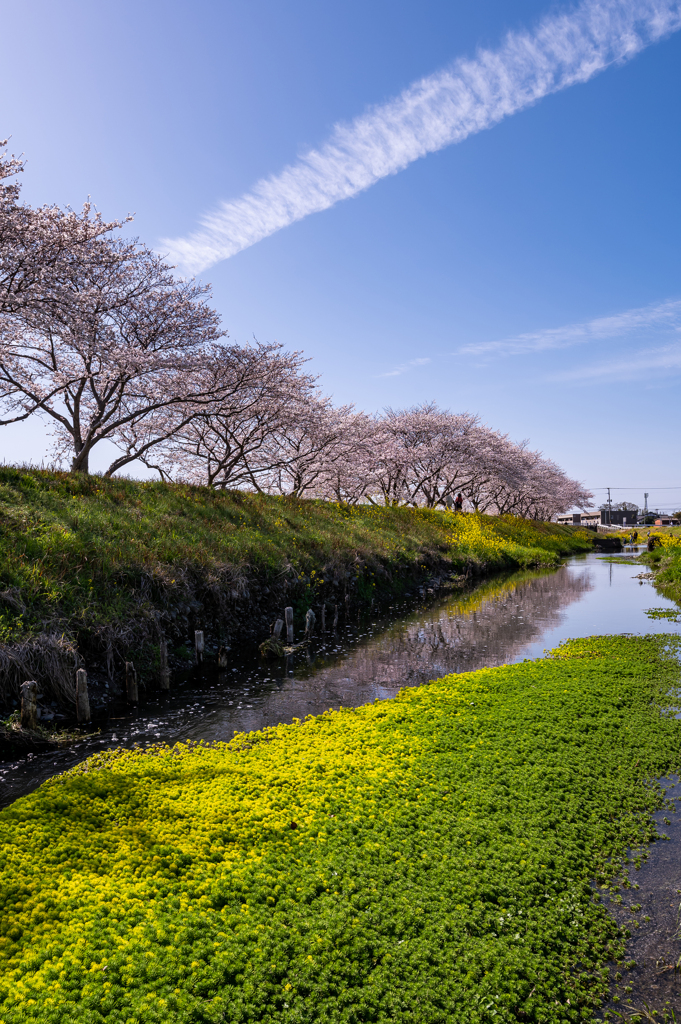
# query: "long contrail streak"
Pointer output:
{"type": "Point", "coordinates": [444, 108]}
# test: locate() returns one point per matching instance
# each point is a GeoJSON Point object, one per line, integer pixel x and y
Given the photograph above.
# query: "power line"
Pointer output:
{"type": "Point", "coordinates": [632, 487]}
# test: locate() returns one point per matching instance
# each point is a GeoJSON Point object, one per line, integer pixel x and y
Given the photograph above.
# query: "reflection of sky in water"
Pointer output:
{"type": "Point", "coordinates": [614, 603]}
{"type": "Point", "coordinates": [501, 620]}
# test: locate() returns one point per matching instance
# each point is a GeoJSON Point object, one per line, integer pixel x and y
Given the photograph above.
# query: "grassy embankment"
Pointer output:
{"type": "Point", "coordinates": [103, 567]}
{"type": "Point", "coordinates": [424, 859]}
{"type": "Point", "coordinates": [665, 562]}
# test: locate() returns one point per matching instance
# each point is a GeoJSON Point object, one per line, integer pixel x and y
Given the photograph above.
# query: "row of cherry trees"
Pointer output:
{"type": "Point", "coordinates": [422, 456]}
{"type": "Point", "coordinates": [99, 337]}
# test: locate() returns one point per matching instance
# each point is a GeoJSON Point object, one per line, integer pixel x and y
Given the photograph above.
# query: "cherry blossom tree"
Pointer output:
{"type": "Point", "coordinates": [123, 342]}
{"type": "Point", "coordinates": [94, 332]}
{"type": "Point", "coordinates": [535, 488]}
{"type": "Point", "coordinates": [303, 453]}
{"type": "Point", "coordinates": [351, 476]}
{"type": "Point", "coordinates": [422, 455]}
{"type": "Point", "coordinates": [499, 471]}
{"type": "Point", "coordinates": [37, 245]}
{"type": "Point", "coordinates": [234, 440]}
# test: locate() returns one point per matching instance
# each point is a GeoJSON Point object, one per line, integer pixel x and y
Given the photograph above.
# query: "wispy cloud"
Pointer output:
{"type": "Point", "coordinates": [404, 367]}
{"type": "Point", "coordinates": [661, 359]}
{"type": "Point", "coordinates": [444, 108]}
{"type": "Point", "coordinates": [633, 367]}
{"type": "Point", "coordinates": [665, 316]}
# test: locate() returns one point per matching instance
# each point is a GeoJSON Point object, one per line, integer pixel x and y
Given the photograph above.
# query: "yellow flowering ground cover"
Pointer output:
{"type": "Point", "coordinates": [665, 561]}
{"type": "Point", "coordinates": [425, 859]}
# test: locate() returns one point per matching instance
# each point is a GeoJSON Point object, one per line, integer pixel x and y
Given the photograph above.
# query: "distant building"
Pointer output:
{"type": "Point", "coordinates": [604, 517]}
{"type": "Point", "coordinates": [591, 519]}
{"type": "Point", "coordinates": [666, 521]}
{"type": "Point", "coordinates": [619, 516]}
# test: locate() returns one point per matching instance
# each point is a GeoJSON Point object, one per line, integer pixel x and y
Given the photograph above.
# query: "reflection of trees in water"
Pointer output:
{"type": "Point", "coordinates": [487, 627]}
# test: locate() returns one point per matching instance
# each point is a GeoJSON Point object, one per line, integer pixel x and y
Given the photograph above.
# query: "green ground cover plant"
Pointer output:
{"type": "Point", "coordinates": [430, 858]}
{"type": "Point", "coordinates": [663, 613]}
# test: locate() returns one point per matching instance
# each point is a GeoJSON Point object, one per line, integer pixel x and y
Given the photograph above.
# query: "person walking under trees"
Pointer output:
{"type": "Point", "coordinates": [458, 503]}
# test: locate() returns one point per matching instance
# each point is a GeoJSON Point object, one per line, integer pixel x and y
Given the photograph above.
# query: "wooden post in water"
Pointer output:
{"type": "Point", "coordinates": [288, 615]}
{"type": "Point", "coordinates": [278, 626]}
{"type": "Point", "coordinates": [310, 619]}
{"type": "Point", "coordinates": [82, 699]}
{"type": "Point", "coordinates": [198, 645]}
{"type": "Point", "coordinates": [223, 657]}
{"type": "Point", "coordinates": [109, 661]}
{"type": "Point", "coordinates": [164, 678]}
{"type": "Point", "coordinates": [29, 704]}
{"type": "Point", "coordinates": [335, 618]}
{"type": "Point", "coordinates": [324, 617]}
{"type": "Point", "coordinates": [131, 683]}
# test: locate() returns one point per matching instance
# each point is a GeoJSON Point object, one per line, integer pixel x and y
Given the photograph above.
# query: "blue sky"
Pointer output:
{"type": "Point", "coordinates": [529, 273]}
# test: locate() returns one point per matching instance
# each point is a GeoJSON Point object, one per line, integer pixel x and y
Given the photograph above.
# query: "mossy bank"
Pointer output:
{"type": "Point", "coordinates": [96, 571]}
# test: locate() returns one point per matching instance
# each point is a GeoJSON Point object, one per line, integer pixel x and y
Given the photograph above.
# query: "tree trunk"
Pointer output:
{"type": "Point", "coordinates": [81, 462]}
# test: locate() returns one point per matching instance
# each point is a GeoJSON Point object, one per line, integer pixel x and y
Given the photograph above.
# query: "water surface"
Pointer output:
{"type": "Point", "coordinates": [499, 621]}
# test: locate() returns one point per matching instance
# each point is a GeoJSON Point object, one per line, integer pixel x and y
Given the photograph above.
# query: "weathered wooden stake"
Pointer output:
{"type": "Point", "coordinates": [131, 683]}
{"type": "Point", "coordinates": [278, 626]}
{"type": "Point", "coordinates": [223, 657]}
{"type": "Point", "coordinates": [310, 619]}
{"type": "Point", "coordinates": [109, 661]}
{"type": "Point", "coordinates": [29, 704]}
{"type": "Point", "coordinates": [82, 699]}
{"type": "Point", "coordinates": [163, 659]}
{"type": "Point", "coordinates": [335, 617]}
{"type": "Point", "coordinates": [288, 615]}
{"type": "Point", "coordinates": [324, 618]}
{"type": "Point", "coordinates": [198, 645]}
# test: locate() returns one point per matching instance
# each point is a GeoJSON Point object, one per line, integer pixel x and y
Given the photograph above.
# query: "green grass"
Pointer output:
{"type": "Point", "coordinates": [666, 564]}
{"type": "Point", "coordinates": [425, 859]}
{"type": "Point", "coordinates": [78, 554]}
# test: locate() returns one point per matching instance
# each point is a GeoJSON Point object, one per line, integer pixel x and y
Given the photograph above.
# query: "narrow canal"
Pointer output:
{"type": "Point", "coordinates": [498, 621]}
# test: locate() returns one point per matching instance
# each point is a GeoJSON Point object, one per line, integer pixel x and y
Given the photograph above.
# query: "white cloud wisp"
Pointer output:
{"type": "Point", "coordinates": [636, 366]}
{"type": "Point", "coordinates": [405, 367]}
{"type": "Point", "coordinates": [441, 109]}
{"type": "Point", "coordinates": [665, 316]}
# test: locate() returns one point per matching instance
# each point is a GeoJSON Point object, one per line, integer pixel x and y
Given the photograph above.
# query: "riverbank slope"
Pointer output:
{"type": "Point", "coordinates": [665, 561]}
{"type": "Point", "coordinates": [96, 571]}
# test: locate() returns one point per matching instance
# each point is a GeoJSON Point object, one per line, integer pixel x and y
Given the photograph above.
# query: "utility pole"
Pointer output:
{"type": "Point", "coordinates": [609, 509]}
{"type": "Point", "coordinates": [645, 502]}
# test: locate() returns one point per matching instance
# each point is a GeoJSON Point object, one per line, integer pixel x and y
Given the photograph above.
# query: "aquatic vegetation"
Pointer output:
{"type": "Point", "coordinates": [427, 858]}
{"type": "Point", "coordinates": [663, 613]}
